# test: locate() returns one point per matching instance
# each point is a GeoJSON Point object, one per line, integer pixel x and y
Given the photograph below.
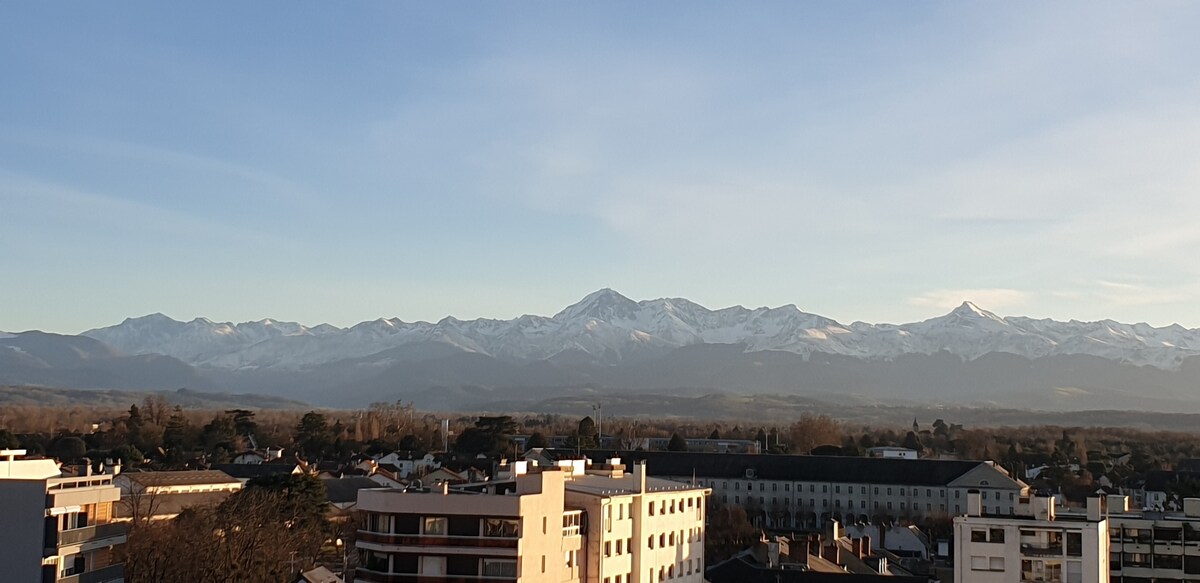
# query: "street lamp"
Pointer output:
{"type": "Point", "coordinates": [341, 545]}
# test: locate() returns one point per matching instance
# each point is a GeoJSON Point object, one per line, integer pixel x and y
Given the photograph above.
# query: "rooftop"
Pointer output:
{"type": "Point", "coordinates": [181, 478]}
{"type": "Point", "coordinates": [797, 468]}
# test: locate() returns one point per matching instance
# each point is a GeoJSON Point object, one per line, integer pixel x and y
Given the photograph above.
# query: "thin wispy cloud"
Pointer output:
{"type": "Point", "coordinates": [874, 164]}
{"type": "Point", "coordinates": [992, 299]}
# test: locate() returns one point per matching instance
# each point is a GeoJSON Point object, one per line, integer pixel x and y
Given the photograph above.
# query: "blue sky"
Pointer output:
{"type": "Point", "coordinates": [322, 162]}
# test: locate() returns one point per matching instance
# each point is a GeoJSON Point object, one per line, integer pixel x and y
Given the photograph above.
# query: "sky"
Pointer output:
{"type": "Point", "coordinates": [332, 162]}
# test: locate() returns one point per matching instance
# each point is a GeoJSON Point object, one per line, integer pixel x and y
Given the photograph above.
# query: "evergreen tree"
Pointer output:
{"type": "Point", "coordinates": [312, 436]}
{"type": "Point", "coordinates": [677, 443]}
{"type": "Point", "coordinates": [175, 434]}
{"type": "Point", "coordinates": [537, 440]}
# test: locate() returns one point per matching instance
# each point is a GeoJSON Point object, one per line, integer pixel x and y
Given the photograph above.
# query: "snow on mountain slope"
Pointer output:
{"type": "Point", "coordinates": [610, 328]}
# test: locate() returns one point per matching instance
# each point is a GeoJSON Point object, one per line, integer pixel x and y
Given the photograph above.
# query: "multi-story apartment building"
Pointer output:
{"type": "Point", "coordinates": [56, 528]}
{"type": "Point", "coordinates": [563, 523]}
{"type": "Point", "coordinates": [1034, 545]}
{"type": "Point", "coordinates": [804, 491]}
{"type": "Point", "coordinates": [1148, 546]}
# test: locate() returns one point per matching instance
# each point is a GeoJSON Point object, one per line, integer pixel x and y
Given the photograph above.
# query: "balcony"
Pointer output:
{"type": "Point", "coordinates": [368, 576]}
{"type": "Point", "coordinates": [416, 540]}
{"type": "Point", "coordinates": [100, 535]}
{"type": "Point", "coordinates": [109, 574]}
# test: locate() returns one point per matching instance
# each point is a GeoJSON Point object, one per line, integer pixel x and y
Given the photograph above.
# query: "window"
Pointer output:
{"type": "Point", "coordinates": [608, 548]}
{"type": "Point", "coordinates": [436, 565]}
{"type": "Point", "coordinates": [500, 568]}
{"type": "Point", "coordinates": [1075, 544]}
{"type": "Point", "coordinates": [434, 525]}
{"type": "Point", "coordinates": [650, 542]}
{"type": "Point", "coordinates": [502, 527]}
{"type": "Point", "coordinates": [996, 535]}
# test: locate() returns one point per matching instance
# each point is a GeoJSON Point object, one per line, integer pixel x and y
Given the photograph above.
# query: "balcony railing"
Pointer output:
{"type": "Point", "coordinates": [1042, 550]}
{"type": "Point", "coordinates": [90, 533]}
{"type": "Point", "coordinates": [369, 576]}
{"type": "Point", "coordinates": [437, 540]}
{"type": "Point", "coordinates": [103, 575]}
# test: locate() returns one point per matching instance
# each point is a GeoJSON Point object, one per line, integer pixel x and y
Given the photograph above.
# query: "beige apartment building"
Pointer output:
{"type": "Point", "coordinates": [1034, 544]}
{"type": "Point", "coordinates": [56, 528]}
{"type": "Point", "coordinates": [570, 522]}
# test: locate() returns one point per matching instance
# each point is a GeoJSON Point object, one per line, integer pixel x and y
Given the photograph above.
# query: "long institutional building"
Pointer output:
{"type": "Point", "coordinates": [569, 521]}
{"type": "Point", "coordinates": [804, 491]}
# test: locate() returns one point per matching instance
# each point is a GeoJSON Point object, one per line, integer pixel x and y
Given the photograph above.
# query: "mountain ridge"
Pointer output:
{"type": "Point", "coordinates": [608, 328]}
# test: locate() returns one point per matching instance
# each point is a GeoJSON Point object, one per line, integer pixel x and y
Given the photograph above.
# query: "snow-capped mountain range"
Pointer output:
{"type": "Point", "coordinates": [606, 327]}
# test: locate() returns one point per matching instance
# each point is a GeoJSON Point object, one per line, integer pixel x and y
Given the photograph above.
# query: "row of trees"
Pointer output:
{"type": "Point", "coordinates": [267, 531]}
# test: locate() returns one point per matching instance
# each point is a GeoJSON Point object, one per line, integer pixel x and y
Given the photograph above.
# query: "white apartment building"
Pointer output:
{"type": "Point", "coordinates": [569, 522]}
{"type": "Point", "coordinates": [1034, 545]}
{"type": "Point", "coordinates": [56, 528]}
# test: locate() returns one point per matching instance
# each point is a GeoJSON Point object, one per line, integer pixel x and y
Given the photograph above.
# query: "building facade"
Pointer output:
{"type": "Point", "coordinates": [1035, 544]}
{"type": "Point", "coordinates": [569, 523]}
{"type": "Point", "coordinates": [57, 528]}
{"type": "Point", "coordinates": [1148, 546]}
{"type": "Point", "coordinates": [805, 491]}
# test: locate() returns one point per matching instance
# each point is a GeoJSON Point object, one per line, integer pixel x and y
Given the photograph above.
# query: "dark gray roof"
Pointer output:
{"type": "Point", "coordinates": [248, 471]}
{"type": "Point", "coordinates": [1160, 480]}
{"type": "Point", "coordinates": [344, 490]}
{"type": "Point", "coordinates": [739, 570]}
{"type": "Point", "coordinates": [794, 468]}
{"type": "Point", "coordinates": [181, 478]}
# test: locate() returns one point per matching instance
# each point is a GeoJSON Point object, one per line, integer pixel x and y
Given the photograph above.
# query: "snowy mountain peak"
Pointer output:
{"type": "Point", "coordinates": [969, 310]}
{"type": "Point", "coordinates": [604, 304]}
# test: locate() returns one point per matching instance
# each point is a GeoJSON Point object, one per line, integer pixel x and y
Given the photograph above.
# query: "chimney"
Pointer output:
{"type": "Point", "coordinates": [1191, 507]}
{"type": "Point", "coordinates": [832, 552]}
{"type": "Point", "coordinates": [1096, 507]}
{"type": "Point", "coordinates": [974, 503]}
{"type": "Point", "coordinates": [866, 546]}
{"type": "Point", "coordinates": [639, 476]}
{"type": "Point", "coordinates": [814, 545]}
{"type": "Point", "coordinates": [833, 530]}
{"type": "Point", "coordinates": [1119, 504]}
{"type": "Point", "coordinates": [773, 554]}
{"type": "Point", "coordinates": [445, 488]}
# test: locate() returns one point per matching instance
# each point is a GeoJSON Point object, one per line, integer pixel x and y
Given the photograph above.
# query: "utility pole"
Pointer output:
{"type": "Point", "coordinates": [598, 409]}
